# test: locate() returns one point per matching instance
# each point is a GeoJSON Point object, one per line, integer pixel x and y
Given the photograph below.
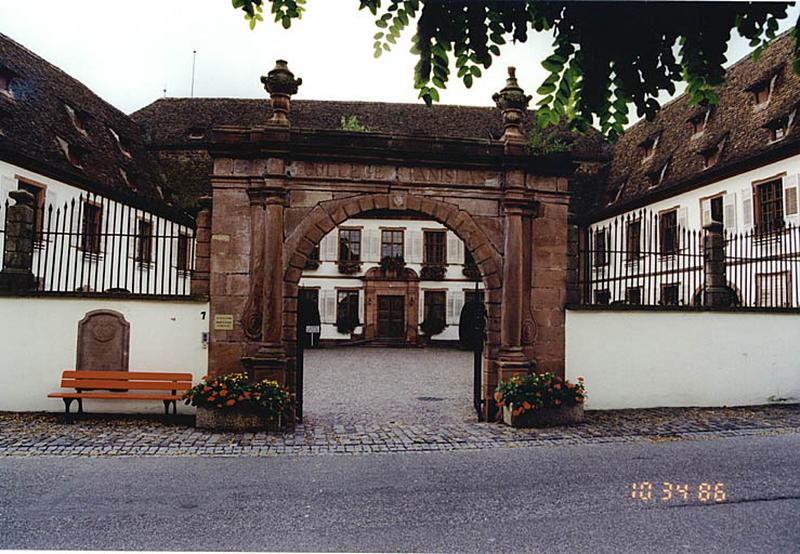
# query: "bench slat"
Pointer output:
{"type": "Point", "coordinates": [128, 375]}
{"type": "Point", "coordinates": [134, 385]}
{"type": "Point", "coordinates": [112, 396]}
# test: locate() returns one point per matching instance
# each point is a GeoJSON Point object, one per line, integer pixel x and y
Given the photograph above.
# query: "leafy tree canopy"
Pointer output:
{"type": "Point", "coordinates": [605, 55]}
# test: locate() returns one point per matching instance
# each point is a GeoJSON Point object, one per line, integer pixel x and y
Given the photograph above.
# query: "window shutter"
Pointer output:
{"type": "Point", "coordinates": [747, 208]}
{"type": "Point", "coordinates": [451, 306]}
{"type": "Point", "coordinates": [458, 306]}
{"type": "Point", "coordinates": [416, 247]}
{"type": "Point", "coordinates": [729, 211]}
{"type": "Point", "coordinates": [452, 249]}
{"type": "Point", "coordinates": [705, 208]}
{"type": "Point", "coordinates": [330, 246]}
{"type": "Point", "coordinates": [461, 246]}
{"type": "Point", "coordinates": [408, 249]}
{"type": "Point", "coordinates": [372, 245]}
{"type": "Point", "coordinates": [790, 208]}
{"type": "Point", "coordinates": [328, 299]}
{"type": "Point", "coordinates": [361, 307]}
{"type": "Point", "coordinates": [7, 184]}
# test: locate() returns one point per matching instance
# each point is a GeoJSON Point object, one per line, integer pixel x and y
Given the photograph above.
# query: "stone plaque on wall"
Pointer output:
{"type": "Point", "coordinates": [103, 342]}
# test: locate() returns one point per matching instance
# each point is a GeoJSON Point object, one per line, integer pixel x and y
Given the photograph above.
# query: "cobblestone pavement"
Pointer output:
{"type": "Point", "coordinates": [377, 400]}
{"type": "Point", "coordinates": [45, 434]}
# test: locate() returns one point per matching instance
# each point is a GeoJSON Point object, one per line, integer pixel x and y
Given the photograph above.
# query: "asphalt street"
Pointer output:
{"type": "Point", "coordinates": [537, 499]}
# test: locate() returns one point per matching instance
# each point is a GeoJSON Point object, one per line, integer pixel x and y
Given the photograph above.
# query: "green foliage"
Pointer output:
{"type": "Point", "coordinates": [543, 141]}
{"type": "Point", "coordinates": [605, 56]}
{"type": "Point", "coordinates": [352, 124]}
{"type": "Point", "coordinates": [539, 390]}
{"type": "Point", "coordinates": [234, 391]}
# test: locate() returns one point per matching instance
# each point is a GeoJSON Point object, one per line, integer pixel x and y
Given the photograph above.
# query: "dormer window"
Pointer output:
{"type": "Point", "coordinates": [6, 76]}
{"type": "Point", "coordinates": [779, 128]}
{"type": "Point", "coordinates": [699, 122]}
{"type": "Point", "coordinates": [196, 133]}
{"type": "Point", "coordinates": [72, 152]}
{"type": "Point", "coordinates": [616, 194]}
{"type": "Point", "coordinates": [122, 144]}
{"type": "Point", "coordinates": [762, 91]}
{"type": "Point", "coordinates": [648, 148]}
{"type": "Point", "coordinates": [657, 177]}
{"type": "Point", "coordinates": [78, 118]}
{"type": "Point", "coordinates": [711, 155]}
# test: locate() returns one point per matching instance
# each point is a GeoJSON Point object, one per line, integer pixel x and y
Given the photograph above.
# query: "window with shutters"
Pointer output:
{"type": "Point", "coordinates": [713, 209]}
{"type": "Point", "coordinates": [600, 248]}
{"type": "Point", "coordinates": [92, 220]}
{"type": "Point", "coordinates": [768, 206]}
{"type": "Point", "coordinates": [349, 245]}
{"type": "Point", "coordinates": [435, 247]}
{"type": "Point", "coordinates": [648, 148]}
{"type": "Point", "coordinates": [391, 243]}
{"type": "Point", "coordinates": [668, 232]}
{"type": "Point", "coordinates": [633, 240]}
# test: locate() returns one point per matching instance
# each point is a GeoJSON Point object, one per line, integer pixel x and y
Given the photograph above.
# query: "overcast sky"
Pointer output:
{"type": "Point", "coordinates": [128, 52]}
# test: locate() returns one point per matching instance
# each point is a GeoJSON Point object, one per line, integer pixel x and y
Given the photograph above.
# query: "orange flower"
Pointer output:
{"type": "Point", "coordinates": [515, 412]}
{"type": "Point", "coordinates": [206, 389]}
{"type": "Point", "coordinates": [526, 405]}
{"type": "Point", "coordinates": [223, 392]}
{"type": "Point", "coordinates": [557, 402]}
{"type": "Point", "coordinates": [557, 386]}
{"type": "Point", "coordinates": [231, 402]}
{"type": "Point", "coordinates": [497, 396]}
{"type": "Point", "coordinates": [212, 398]}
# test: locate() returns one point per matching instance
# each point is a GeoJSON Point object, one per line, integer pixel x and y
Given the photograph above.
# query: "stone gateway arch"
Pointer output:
{"type": "Point", "coordinates": [277, 190]}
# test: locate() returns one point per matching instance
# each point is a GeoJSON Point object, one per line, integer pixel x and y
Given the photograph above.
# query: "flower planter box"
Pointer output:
{"type": "Point", "coordinates": [544, 417]}
{"type": "Point", "coordinates": [237, 420]}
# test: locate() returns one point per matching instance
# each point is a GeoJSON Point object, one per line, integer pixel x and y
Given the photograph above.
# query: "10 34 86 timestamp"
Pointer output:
{"type": "Point", "coordinates": [646, 491]}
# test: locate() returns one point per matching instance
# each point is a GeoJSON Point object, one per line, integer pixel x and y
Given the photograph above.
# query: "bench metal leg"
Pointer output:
{"type": "Point", "coordinates": [167, 404]}
{"type": "Point", "coordinates": [67, 416]}
{"type": "Point", "coordinates": [80, 405]}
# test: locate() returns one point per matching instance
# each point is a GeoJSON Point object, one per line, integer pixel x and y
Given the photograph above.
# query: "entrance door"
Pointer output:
{"type": "Point", "coordinates": [391, 317]}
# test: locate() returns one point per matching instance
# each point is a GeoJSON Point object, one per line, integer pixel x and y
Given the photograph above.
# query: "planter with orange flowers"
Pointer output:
{"type": "Point", "coordinates": [540, 400]}
{"type": "Point", "coordinates": [231, 402]}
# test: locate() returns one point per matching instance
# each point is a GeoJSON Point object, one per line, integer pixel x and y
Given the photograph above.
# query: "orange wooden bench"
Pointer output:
{"type": "Point", "coordinates": [117, 385]}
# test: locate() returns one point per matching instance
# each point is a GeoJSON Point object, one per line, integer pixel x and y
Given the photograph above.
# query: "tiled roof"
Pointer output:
{"type": "Point", "coordinates": [42, 108]}
{"type": "Point", "coordinates": [170, 124]}
{"type": "Point", "coordinates": [735, 123]}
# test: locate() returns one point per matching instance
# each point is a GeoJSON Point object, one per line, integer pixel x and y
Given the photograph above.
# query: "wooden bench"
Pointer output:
{"type": "Point", "coordinates": [117, 385]}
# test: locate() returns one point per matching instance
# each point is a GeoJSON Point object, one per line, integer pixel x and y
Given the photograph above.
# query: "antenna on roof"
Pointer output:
{"type": "Point", "coordinates": [194, 59]}
{"type": "Point", "coordinates": [165, 90]}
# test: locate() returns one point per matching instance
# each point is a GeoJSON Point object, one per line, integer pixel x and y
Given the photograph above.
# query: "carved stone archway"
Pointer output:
{"type": "Point", "coordinates": [277, 191]}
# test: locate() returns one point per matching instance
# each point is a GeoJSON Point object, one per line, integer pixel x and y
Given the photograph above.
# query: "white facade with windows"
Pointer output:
{"type": "Point", "coordinates": [109, 246]}
{"type": "Point", "coordinates": [759, 223]}
{"type": "Point", "coordinates": [379, 237]}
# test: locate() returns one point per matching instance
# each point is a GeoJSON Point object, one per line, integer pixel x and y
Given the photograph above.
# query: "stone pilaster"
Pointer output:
{"type": "Point", "coordinates": [512, 359]}
{"type": "Point", "coordinates": [202, 266]}
{"type": "Point", "coordinates": [17, 274]}
{"type": "Point", "coordinates": [716, 290]}
{"type": "Point", "coordinates": [263, 315]}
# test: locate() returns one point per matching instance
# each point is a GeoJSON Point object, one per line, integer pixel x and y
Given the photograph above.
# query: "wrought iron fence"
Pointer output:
{"type": "Point", "coordinates": [652, 259]}
{"type": "Point", "coordinates": [94, 245]}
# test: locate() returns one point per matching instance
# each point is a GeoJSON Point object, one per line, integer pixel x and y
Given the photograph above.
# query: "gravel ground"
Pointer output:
{"type": "Point", "coordinates": [377, 400]}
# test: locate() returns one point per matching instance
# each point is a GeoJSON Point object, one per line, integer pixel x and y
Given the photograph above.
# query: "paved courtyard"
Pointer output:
{"type": "Point", "coordinates": [409, 386]}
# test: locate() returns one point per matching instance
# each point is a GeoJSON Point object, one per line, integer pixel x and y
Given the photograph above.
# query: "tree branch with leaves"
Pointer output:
{"type": "Point", "coordinates": [606, 56]}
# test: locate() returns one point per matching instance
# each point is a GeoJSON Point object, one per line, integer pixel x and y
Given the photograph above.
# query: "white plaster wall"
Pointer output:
{"type": "Point", "coordinates": [117, 220]}
{"type": "Point", "coordinates": [38, 341]}
{"type": "Point", "coordinates": [645, 359]}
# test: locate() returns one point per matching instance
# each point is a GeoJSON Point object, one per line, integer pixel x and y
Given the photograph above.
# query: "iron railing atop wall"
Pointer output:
{"type": "Point", "coordinates": [94, 245]}
{"type": "Point", "coordinates": [648, 259]}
